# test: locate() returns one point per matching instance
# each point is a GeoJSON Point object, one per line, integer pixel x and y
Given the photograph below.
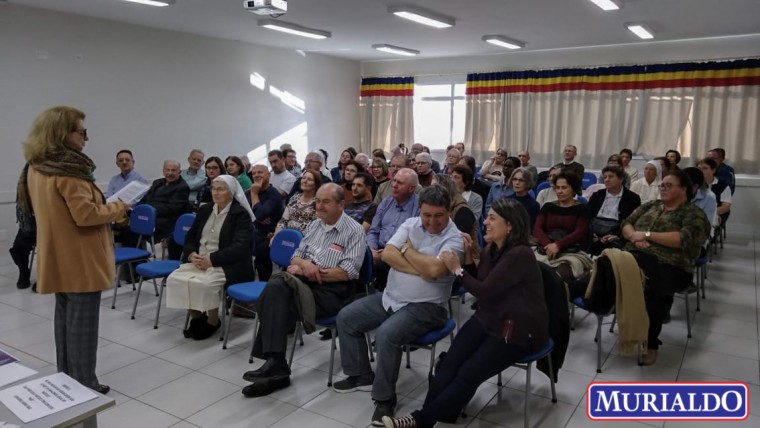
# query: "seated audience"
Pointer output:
{"type": "Point", "coordinates": [379, 153]}
{"type": "Point", "coordinates": [508, 286]}
{"type": "Point", "coordinates": [568, 162]}
{"type": "Point", "coordinates": [168, 196]}
{"type": "Point", "coordinates": [674, 156]}
{"type": "Point", "coordinates": [302, 207]}
{"type": "Point", "coordinates": [364, 161]}
{"type": "Point", "coordinates": [613, 160]}
{"type": "Point", "coordinates": [720, 188]}
{"type": "Point", "coordinates": [434, 165]}
{"type": "Point", "coordinates": [725, 171]}
{"type": "Point", "coordinates": [336, 174]}
{"type": "Point", "coordinates": [267, 206]}
{"type": "Point", "coordinates": [493, 169]}
{"type": "Point", "coordinates": [664, 164]}
{"type": "Point", "coordinates": [400, 149]}
{"type": "Point", "coordinates": [665, 236]}
{"type": "Point", "coordinates": [425, 173]}
{"type": "Point", "coordinates": [609, 207]}
{"type": "Point", "coordinates": [413, 303]}
{"type": "Point", "coordinates": [126, 163]}
{"type": "Point", "coordinates": [217, 251]}
{"type": "Point", "coordinates": [350, 169]}
{"type": "Point", "coordinates": [561, 231]}
{"type": "Point", "coordinates": [524, 157]}
{"type": "Point", "coordinates": [383, 190]}
{"type": "Point", "coordinates": [379, 173]}
{"type": "Point", "coordinates": [703, 197]}
{"type": "Point", "coordinates": [291, 163]}
{"type": "Point", "coordinates": [464, 178]}
{"type": "Point", "coordinates": [235, 167]}
{"type": "Point", "coordinates": [460, 146]}
{"type": "Point", "coordinates": [214, 168]}
{"type": "Point", "coordinates": [246, 166]}
{"type": "Point", "coordinates": [625, 158]}
{"type": "Point", "coordinates": [194, 176]}
{"type": "Point", "coordinates": [452, 158]}
{"type": "Point", "coordinates": [361, 208]}
{"type": "Point", "coordinates": [280, 178]}
{"type": "Point", "coordinates": [648, 186]}
{"type": "Point", "coordinates": [321, 276]}
{"type": "Point", "coordinates": [549, 194]}
{"type": "Point", "coordinates": [314, 161]}
{"type": "Point", "coordinates": [460, 213]}
{"type": "Point", "coordinates": [522, 181]}
{"type": "Point", "coordinates": [478, 186]}
{"type": "Point", "coordinates": [503, 188]}
{"type": "Point", "coordinates": [401, 205]}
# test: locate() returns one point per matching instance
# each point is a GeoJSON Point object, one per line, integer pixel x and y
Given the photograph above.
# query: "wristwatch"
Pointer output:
{"type": "Point", "coordinates": [647, 235]}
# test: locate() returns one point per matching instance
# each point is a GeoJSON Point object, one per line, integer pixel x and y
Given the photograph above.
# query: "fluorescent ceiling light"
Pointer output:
{"type": "Point", "coordinates": [504, 42]}
{"type": "Point", "coordinates": [295, 29]}
{"type": "Point", "coordinates": [607, 4]}
{"type": "Point", "coordinates": [641, 30]}
{"type": "Point", "coordinates": [422, 16]}
{"type": "Point", "coordinates": [160, 3]}
{"type": "Point", "coordinates": [396, 50]}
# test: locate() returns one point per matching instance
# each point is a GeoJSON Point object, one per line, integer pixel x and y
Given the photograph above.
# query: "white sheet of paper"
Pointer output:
{"type": "Point", "coordinates": [13, 372]}
{"type": "Point", "coordinates": [38, 398]}
{"type": "Point", "coordinates": [131, 193]}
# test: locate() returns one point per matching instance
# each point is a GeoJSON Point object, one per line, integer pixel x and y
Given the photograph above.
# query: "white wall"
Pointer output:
{"type": "Point", "coordinates": [746, 204]}
{"type": "Point", "coordinates": [161, 93]}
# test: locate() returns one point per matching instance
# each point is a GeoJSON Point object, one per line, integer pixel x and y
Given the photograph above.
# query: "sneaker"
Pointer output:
{"type": "Point", "coordinates": [354, 383]}
{"type": "Point", "coordinates": [383, 409]}
{"type": "Point", "coordinates": [404, 422]}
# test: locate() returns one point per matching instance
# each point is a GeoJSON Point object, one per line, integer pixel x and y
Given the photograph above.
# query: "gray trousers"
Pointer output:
{"type": "Point", "coordinates": [76, 335]}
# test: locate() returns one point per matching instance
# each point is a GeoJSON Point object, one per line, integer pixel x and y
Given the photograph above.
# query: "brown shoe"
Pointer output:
{"type": "Point", "coordinates": [649, 358]}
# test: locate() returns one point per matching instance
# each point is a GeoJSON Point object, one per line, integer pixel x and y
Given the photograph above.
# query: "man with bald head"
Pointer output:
{"type": "Point", "coordinates": [169, 197]}
{"type": "Point", "coordinates": [323, 270]}
{"type": "Point", "coordinates": [267, 206]}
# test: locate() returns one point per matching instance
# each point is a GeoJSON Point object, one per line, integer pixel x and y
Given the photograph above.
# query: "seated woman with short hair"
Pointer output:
{"type": "Point", "coordinates": [217, 252]}
{"type": "Point", "coordinates": [609, 207]}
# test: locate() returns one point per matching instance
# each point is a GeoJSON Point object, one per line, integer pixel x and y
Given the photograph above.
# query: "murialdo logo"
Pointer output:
{"type": "Point", "coordinates": [686, 401]}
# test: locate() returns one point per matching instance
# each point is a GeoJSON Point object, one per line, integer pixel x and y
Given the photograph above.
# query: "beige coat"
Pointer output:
{"type": "Point", "coordinates": [74, 240]}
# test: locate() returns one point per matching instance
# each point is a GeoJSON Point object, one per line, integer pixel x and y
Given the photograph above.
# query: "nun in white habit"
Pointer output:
{"type": "Point", "coordinates": [217, 252]}
{"type": "Point", "coordinates": [648, 186]}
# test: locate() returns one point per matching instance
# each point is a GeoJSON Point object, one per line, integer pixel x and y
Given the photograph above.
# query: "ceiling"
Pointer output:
{"type": "Point", "coordinates": [358, 24]}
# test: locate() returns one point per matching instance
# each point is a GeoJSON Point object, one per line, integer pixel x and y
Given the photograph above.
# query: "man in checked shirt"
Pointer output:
{"type": "Point", "coordinates": [328, 261]}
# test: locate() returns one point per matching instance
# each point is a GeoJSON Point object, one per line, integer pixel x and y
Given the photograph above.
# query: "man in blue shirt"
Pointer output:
{"type": "Point", "coordinates": [725, 172]}
{"type": "Point", "coordinates": [413, 303]}
{"type": "Point", "coordinates": [268, 208]}
{"type": "Point", "coordinates": [126, 163]}
{"type": "Point", "coordinates": [402, 204]}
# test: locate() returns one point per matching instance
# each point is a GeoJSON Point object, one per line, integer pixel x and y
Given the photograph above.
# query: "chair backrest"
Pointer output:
{"type": "Point", "coordinates": [284, 244]}
{"type": "Point", "coordinates": [542, 185]}
{"type": "Point", "coordinates": [142, 221]}
{"type": "Point", "coordinates": [481, 239]}
{"type": "Point", "coordinates": [582, 200]}
{"type": "Point", "coordinates": [365, 274]}
{"type": "Point", "coordinates": [532, 193]}
{"type": "Point", "coordinates": [184, 222]}
{"type": "Point", "coordinates": [588, 179]}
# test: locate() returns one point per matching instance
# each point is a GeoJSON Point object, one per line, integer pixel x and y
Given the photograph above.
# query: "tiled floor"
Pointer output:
{"type": "Point", "coordinates": [160, 379]}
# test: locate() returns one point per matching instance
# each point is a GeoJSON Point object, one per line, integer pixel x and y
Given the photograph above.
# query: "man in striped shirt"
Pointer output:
{"type": "Point", "coordinates": [328, 261]}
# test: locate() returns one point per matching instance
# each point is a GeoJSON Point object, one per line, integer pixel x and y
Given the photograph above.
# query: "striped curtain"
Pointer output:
{"type": "Point", "coordinates": [386, 113]}
{"type": "Point", "coordinates": [647, 108]}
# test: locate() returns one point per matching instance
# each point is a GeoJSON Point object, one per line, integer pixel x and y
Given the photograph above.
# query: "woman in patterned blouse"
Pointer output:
{"type": "Point", "coordinates": [302, 208]}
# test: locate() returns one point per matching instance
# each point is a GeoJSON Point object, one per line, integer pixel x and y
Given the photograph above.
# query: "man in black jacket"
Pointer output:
{"type": "Point", "coordinates": [168, 196]}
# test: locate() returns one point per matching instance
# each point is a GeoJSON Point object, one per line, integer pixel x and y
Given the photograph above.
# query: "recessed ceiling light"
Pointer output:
{"type": "Point", "coordinates": [607, 4]}
{"type": "Point", "coordinates": [504, 42]}
{"type": "Point", "coordinates": [396, 50]}
{"type": "Point", "coordinates": [422, 16]}
{"type": "Point", "coordinates": [295, 29]}
{"type": "Point", "coordinates": [641, 30]}
{"type": "Point", "coordinates": [160, 3]}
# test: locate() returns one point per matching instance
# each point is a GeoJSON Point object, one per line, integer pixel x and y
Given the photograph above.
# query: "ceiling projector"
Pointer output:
{"type": "Point", "coordinates": [266, 7]}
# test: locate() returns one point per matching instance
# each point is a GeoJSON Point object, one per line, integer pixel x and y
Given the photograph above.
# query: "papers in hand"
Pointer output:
{"type": "Point", "coordinates": [131, 193]}
{"type": "Point", "coordinates": [44, 396]}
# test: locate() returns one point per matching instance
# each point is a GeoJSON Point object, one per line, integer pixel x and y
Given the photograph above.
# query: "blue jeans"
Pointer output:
{"type": "Point", "coordinates": [394, 329]}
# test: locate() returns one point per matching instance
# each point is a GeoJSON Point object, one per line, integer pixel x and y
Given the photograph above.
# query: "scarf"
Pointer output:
{"type": "Point", "coordinates": [61, 161]}
{"type": "Point", "coordinates": [237, 192]}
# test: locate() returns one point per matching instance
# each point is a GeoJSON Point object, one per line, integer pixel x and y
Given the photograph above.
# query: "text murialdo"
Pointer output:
{"type": "Point", "coordinates": [666, 402]}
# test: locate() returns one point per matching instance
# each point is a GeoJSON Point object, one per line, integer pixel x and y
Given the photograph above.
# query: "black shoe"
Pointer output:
{"type": "Point", "coordinates": [325, 334]}
{"type": "Point", "coordinates": [266, 386]}
{"type": "Point", "coordinates": [383, 408]}
{"type": "Point", "coordinates": [23, 282]}
{"type": "Point", "coordinates": [271, 368]}
{"type": "Point", "coordinates": [206, 330]}
{"type": "Point", "coordinates": [354, 383]}
{"type": "Point", "coordinates": [34, 287]}
{"type": "Point", "coordinates": [195, 324]}
{"type": "Point", "coordinates": [103, 389]}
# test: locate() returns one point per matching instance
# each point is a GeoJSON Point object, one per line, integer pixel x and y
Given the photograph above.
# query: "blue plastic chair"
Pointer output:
{"type": "Point", "coordinates": [142, 222]}
{"type": "Point", "coordinates": [582, 200]}
{"type": "Point", "coordinates": [162, 268]}
{"type": "Point", "coordinates": [542, 185]}
{"type": "Point", "coordinates": [284, 244]}
{"type": "Point", "coordinates": [525, 364]}
{"type": "Point", "coordinates": [429, 340]}
{"type": "Point", "coordinates": [587, 180]}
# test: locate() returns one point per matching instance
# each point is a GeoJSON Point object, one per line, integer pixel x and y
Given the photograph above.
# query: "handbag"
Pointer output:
{"type": "Point", "coordinates": [601, 226]}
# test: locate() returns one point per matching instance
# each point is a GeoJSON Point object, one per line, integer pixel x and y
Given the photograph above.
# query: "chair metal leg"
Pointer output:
{"type": "Point", "coordinates": [229, 321]}
{"type": "Point", "coordinates": [527, 394]}
{"type": "Point", "coordinates": [551, 378]}
{"type": "Point", "coordinates": [598, 339]}
{"type": "Point", "coordinates": [612, 326]}
{"type": "Point", "coordinates": [408, 362]}
{"type": "Point", "coordinates": [499, 383]}
{"type": "Point", "coordinates": [332, 357]}
{"type": "Point", "coordinates": [158, 303]}
{"type": "Point", "coordinates": [572, 316]}
{"type": "Point", "coordinates": [296, 334]}
{"type": "Point", "coordinates": [688, 315]}
{"type": "Point", "coordinates": [369, 348]}
{"type": "Point", "coordinates": [137, 297]}
{"type": "Point", "coordinates": [223, 315]}
{"type": "Point", "coordinates": [131, 274]}
{"type": "Point", "coordinates": [116, 286]}
{"type": "Point", "coordinates": [253, 338]}
{"type": "Point", "coordinates": [432, 358]}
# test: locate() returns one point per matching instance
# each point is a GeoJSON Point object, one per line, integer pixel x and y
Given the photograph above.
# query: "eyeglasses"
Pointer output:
{"type": "Point", "coordinates": [521, 180]}
{"type": "Point", "coordinates": [667, 186]}
{"type": "Point", "coordinates": [82, 132]}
